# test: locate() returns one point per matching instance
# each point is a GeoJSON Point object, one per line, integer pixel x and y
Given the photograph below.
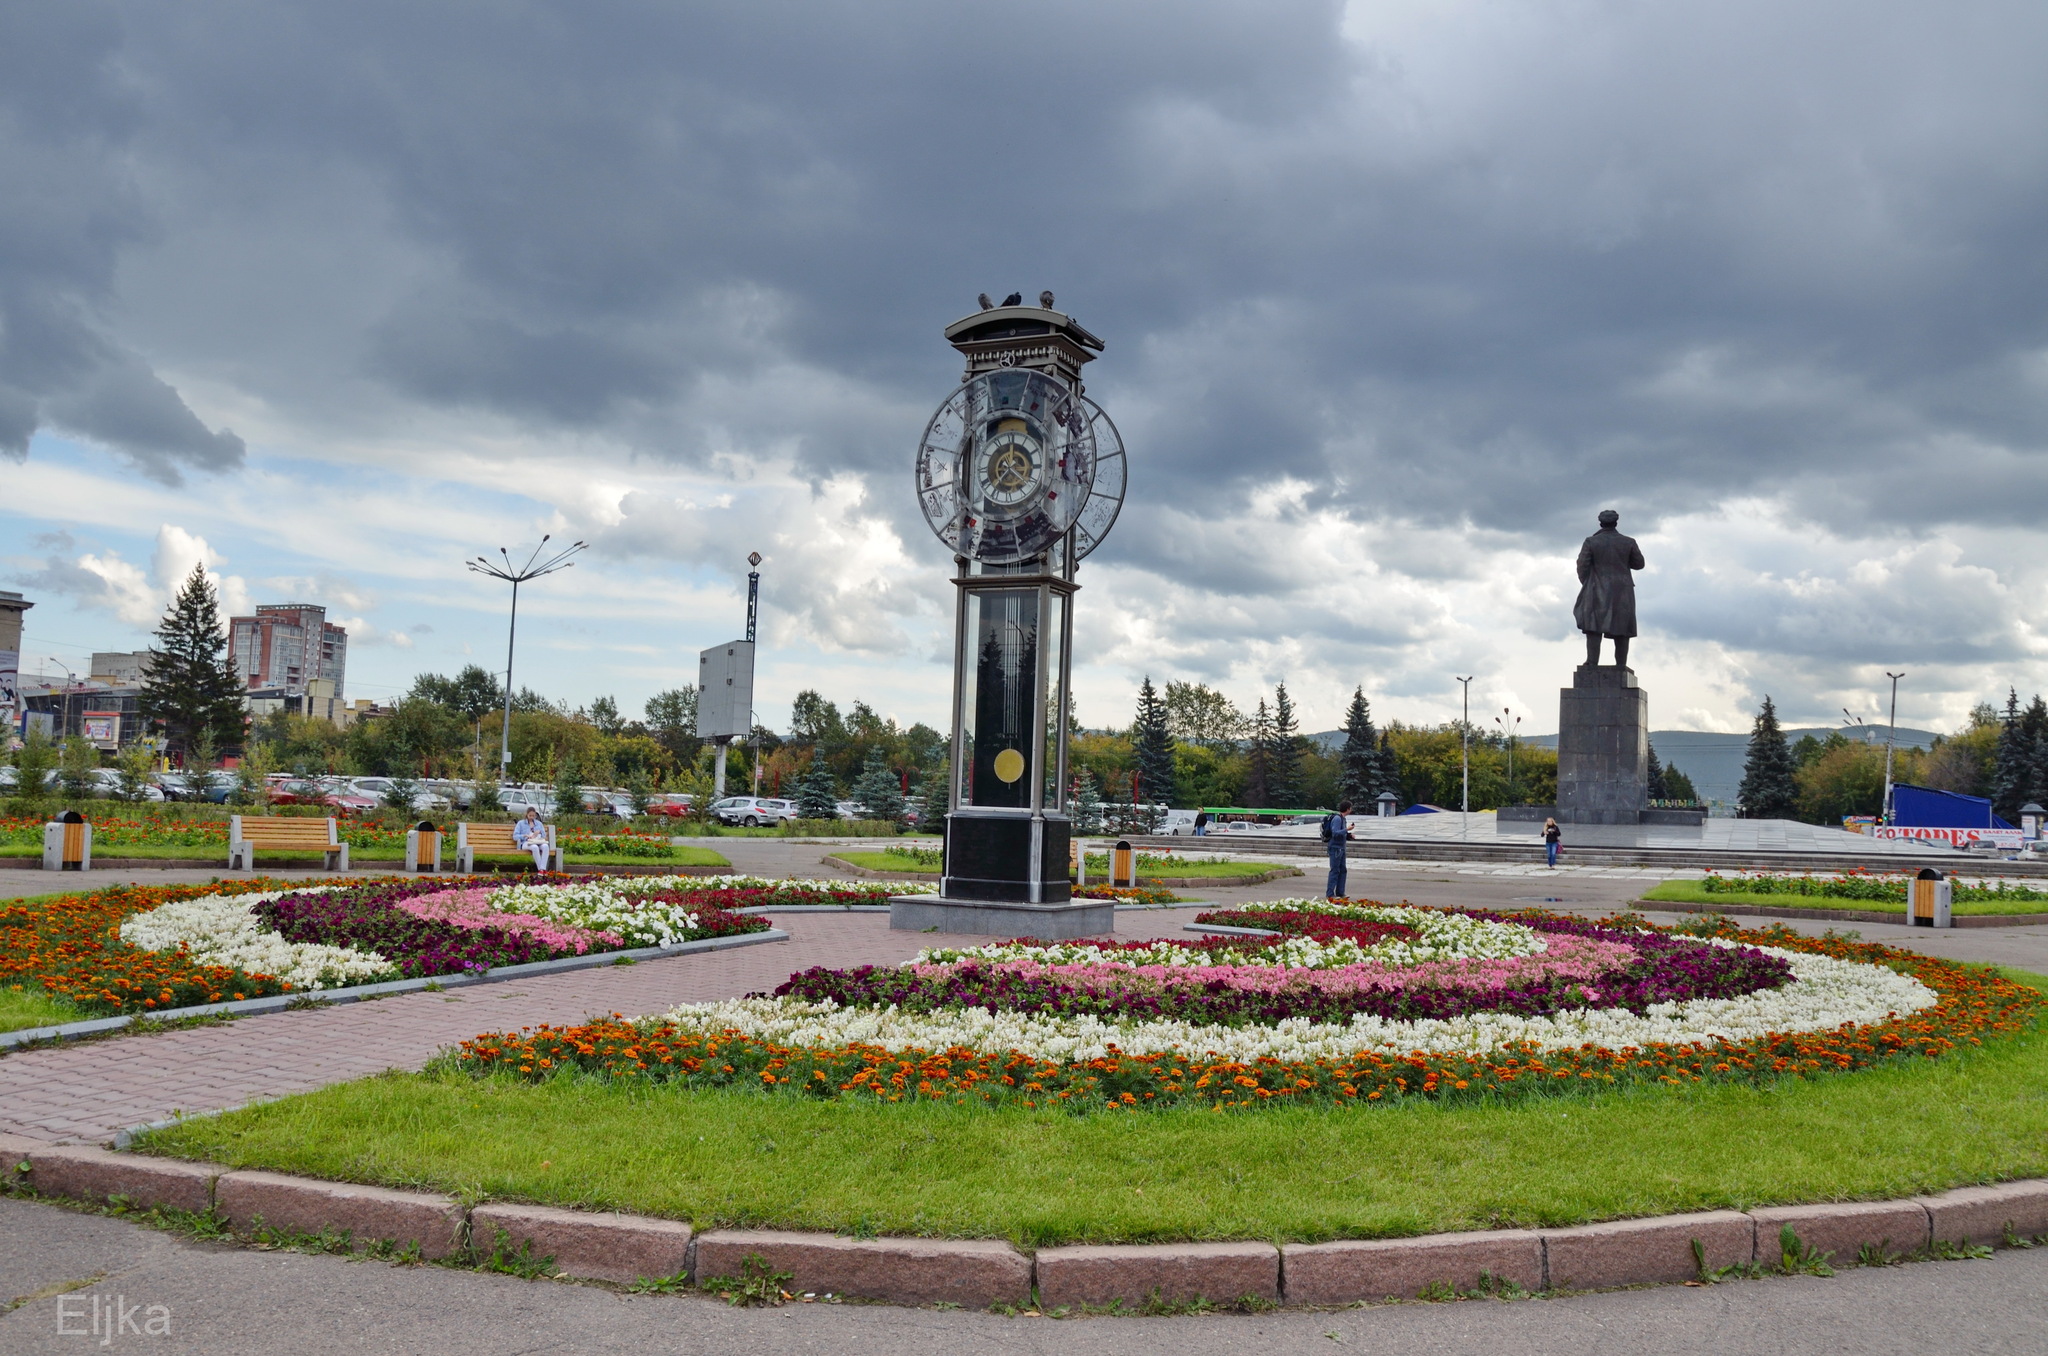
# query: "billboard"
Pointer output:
{"type": "Point", "coordinates": [1956, 838]}
{"type": "Point", "coordinates": [10, 685]}
{"type": "Point", "coordinates": [725, 690]}
{"type": "Point", "coordinates": [102, 728]}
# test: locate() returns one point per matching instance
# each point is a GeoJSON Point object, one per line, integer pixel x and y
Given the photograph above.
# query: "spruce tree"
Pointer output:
{"type": "Point", "coordinates": [931, 803]}
{"type": "Point", "coordinates": [1768, 791]}
{"type": "Point", "coordinates": [1360, 759]}
{"type": "Point", "coordinates": [815, 793]}
{"type": "Point", "coordinates": [2017, 771]}
{"type": "Point", "coordinates": [1657, 788]}
{"type": "Point", "coordinates": [1087, 804]}
{"type": "Point", "coordinates": [1152, 744]}
{"type": "Point", "coordinates": [1284, 765]}
{"type": "Point", "coordinates": [191, 691]}
{"type": "Point", "coordinates": [1258, 761]}
{"type": "Point", "coordinates": [877, 791]}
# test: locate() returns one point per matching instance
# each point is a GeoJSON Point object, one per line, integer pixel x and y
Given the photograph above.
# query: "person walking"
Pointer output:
{"type": "Point", "coordinates": [531, 834]}
{"type": "Point", "coordinates": [1336, 832]}
{"type": "Point", "coordinates": [1552, 837]}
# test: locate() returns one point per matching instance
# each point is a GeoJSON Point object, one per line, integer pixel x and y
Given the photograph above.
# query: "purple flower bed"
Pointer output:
{"type": "Point", "coordinates": [365, 916]}
{"type": "Point", "coordinates": [1667, 970]}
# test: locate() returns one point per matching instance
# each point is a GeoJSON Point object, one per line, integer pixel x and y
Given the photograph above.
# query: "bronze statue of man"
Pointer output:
{"type": "Point", "coordinates": [1607, 589]}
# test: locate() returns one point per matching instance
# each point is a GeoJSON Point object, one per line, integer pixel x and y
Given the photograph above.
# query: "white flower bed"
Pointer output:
{"type": "Point", "coordinates": [223, 930]}
{"type": "Point", "coordinates": [1443, 937]}
{"type": "Point", "coordinates": [599, 910]}
{"type": "Point", "coordinates": [607, 903]}
{"type": "Point", "coordinates": [1825, 994]}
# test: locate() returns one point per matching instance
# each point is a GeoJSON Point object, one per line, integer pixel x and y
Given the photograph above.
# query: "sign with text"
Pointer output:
{"type": "Point", "coordinates": [102, 728]}
{"type": "Point", "coordinates": [1957, 838]}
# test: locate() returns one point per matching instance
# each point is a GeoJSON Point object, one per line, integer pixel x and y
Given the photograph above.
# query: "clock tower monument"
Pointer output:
{"type": "Point", "coordinates": [1020, 475]}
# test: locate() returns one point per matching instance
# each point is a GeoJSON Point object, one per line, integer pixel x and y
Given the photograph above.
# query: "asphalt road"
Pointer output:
{"type": "Point", "coordinates": [227, 1301]}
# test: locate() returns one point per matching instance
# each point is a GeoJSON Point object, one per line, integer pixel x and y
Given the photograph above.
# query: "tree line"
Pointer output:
{"type": "Point", "coordinates": [2001, 755]}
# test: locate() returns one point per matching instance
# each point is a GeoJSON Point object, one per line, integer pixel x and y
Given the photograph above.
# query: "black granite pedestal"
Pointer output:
{"type": "Point", "coordinates": [1005, 875]}
{"type": "Point", "coordinates": [1603, 747]}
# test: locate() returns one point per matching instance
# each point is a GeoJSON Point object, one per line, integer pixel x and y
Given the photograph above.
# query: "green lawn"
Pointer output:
{"type": "Point", "coordinates": [1690, 892]}
{"type": "Point", "coordinates": [679, 856]}
{"type": "Point", "coordinates": [1040, 1178]}
{"type": "Point", "coordinates": [20, 1008]}
{"type": "Point", "coordinates": [1098, 867]}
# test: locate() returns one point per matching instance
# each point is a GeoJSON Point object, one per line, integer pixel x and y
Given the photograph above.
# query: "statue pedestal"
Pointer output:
{"type": "Point", "coordinates": [1603, 747]}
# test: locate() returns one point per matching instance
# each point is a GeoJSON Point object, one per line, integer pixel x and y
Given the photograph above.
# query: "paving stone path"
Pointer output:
{"type": "Point", "coordinates": [89, 1092]}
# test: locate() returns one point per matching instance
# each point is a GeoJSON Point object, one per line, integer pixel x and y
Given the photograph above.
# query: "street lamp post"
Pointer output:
{"type": "Point", "coordinates": [1509, 722]}
{"type": "Point", "coordinates": [515, 575]}
{"type": "Point", "coordinates": [1891, 739]}
{"type": "Point", "coordinates": [1465, 748]}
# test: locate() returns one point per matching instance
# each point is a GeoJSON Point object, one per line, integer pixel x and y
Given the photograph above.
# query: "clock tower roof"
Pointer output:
{"type": "Point", "coordinates": [1034, 337]}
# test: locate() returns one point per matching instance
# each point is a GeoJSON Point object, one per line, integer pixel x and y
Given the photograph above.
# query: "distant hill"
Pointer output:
{"type": "Point", "coordinates": [1713, 761]}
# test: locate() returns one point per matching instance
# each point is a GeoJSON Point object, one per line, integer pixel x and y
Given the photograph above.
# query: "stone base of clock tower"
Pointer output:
{"type": "Point", "coordinates": [1005, 875]}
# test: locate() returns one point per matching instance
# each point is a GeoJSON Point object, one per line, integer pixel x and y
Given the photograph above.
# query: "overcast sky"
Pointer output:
{"type": "Point", "coordinates": [1396, 298]}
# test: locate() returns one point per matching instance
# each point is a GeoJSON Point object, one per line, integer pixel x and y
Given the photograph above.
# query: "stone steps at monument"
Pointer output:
{"type": "Point", "coordinates": [1528, 849]}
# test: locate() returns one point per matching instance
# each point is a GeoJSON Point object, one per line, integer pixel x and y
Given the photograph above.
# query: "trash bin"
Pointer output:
{"type": "Point", "coordinates": [423, 847]}
{"type": "Point", "coordinates": [1928, 905]}
{"type": "Point", "coordinates": [1123, 865]}
{"type": "Point", "coordinates": [67, 843]}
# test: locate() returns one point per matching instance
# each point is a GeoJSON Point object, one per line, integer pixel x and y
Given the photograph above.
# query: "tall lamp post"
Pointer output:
{"type": "Point", "coordinates": [1891, 739]}
{"type": "Point", "coordinates": [1509, 722]}
{"type": "Point", "coordinates": [1465, 748]}
{"type": "Point", "coordinates": [537, 565]}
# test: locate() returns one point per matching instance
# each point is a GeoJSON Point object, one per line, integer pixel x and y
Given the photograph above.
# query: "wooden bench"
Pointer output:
{"type": "Point", "coordinates": [274, 833]}
{"type": "Point", "coordinates": [472, 840]}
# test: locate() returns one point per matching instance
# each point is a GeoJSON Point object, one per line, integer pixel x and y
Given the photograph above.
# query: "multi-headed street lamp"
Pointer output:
{"type": "Point", "coordinates": [515, 575]}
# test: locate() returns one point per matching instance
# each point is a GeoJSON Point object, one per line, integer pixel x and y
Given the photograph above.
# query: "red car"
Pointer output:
{"type": "Point", "coordinates": [670, 806]}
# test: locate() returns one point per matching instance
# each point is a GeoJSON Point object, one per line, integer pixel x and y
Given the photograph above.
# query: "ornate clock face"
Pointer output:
{"type": "Point", "coordinates": [1005, 465]}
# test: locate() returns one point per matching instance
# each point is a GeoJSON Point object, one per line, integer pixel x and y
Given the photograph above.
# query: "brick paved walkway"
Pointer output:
{"type": "Point", "coordinates": [87, 1093]}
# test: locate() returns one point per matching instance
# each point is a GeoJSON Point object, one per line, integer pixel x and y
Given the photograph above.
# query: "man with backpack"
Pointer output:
{"type": "Point", "coordinates": [1336, 832]}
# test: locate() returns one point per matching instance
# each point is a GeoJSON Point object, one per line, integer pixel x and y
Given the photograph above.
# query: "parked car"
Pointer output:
{"type": "Point", "coordinates": [106, 781]}
{"type": "Point", "coordinates": [753, 811]}
{"type": "Point", "coordinates": [516, 799]}
{"type": "Point", "coordinates": [341, 793]}
{"type": "Point", "coordinates": [671, 805]}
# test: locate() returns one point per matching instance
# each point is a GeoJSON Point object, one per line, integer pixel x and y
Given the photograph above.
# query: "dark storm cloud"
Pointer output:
{"type": "Point", "coordinates": [66, 122]}
{"type": "Point", "coordinates": [1460, 271]}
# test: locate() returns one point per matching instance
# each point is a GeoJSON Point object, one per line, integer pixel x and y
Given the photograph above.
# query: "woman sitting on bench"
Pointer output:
{"type": "Point", "coordinates": [532, 835]}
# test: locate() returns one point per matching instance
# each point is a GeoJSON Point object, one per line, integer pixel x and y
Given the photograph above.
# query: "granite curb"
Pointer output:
{"type": "Point", "coordinates": [259, 1007]}
{"type": "Point", "coordinates": [1961, 920]}
{"type": "Point", "coordinates": [980, 1273]}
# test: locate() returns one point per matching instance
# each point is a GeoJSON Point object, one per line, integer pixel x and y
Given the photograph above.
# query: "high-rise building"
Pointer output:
{"type": "Point", "coordinates": [287, 645]}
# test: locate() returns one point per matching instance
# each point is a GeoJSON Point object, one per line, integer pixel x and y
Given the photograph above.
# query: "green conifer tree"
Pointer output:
{"type": "Point", "coordinates": [191, 691]}
{"type": "Point", "coordinates": [1258, 760]}
{"type": "Point", "coordinates": [815, 793]}
{"type": "Point", "coordinates": [1360, 758]}
{"type": "Point", "coordinates": [1768, 790]}
{"type": "Point", "coordinates": [931, 803]}
{"type": "Point", "coordinates": [1087, 804]}
{"type": "Point", "coordinates": [1285, 763]}
{"type": "Point", "coordinates": [1657, 788]}
{"type": "Point", "coordinates": [1152, 745]}
{"type": "Point", "coordinates": [877, 790]}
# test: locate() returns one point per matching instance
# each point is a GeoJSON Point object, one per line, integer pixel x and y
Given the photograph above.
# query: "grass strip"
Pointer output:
{"type": "Point", "coordinates": [1047, 1177]}
{"type": "Point", "coordinates": [1691, 892]}
{"type": "Point", "coordinates": [21, 1008]}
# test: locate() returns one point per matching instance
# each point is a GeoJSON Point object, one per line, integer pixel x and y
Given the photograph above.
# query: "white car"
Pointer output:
{"type": "Point", "coordinates": [753, 811]}
{"type": "Point", "coordinates": [107, 782]}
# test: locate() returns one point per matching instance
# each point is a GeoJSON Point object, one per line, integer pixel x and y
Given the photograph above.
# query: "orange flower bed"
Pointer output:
{"type": "Point", "coordinates": [1976, 1004]}
{"type": "Point", "coordinates": [71, 947]}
